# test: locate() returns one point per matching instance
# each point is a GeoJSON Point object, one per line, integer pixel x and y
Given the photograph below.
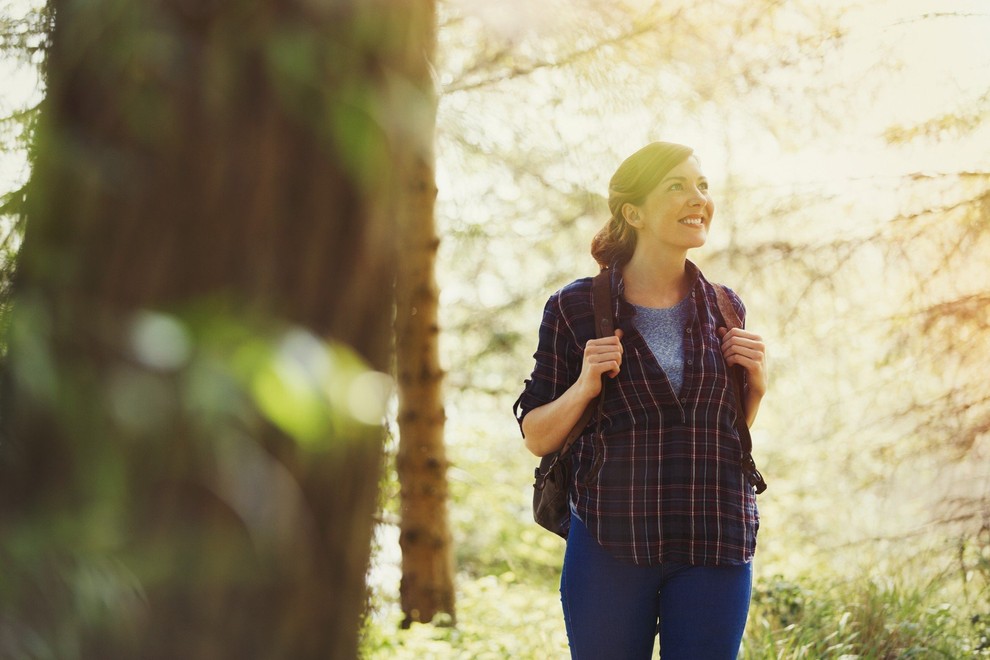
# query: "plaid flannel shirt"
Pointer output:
{"type": "Point", "coordinates": [661, 482]}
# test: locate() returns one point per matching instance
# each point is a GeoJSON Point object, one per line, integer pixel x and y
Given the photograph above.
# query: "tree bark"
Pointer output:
{"type": "Point", "coordinates": [427, 586]}
{"type": "Point", "coordinates": [191, 453]}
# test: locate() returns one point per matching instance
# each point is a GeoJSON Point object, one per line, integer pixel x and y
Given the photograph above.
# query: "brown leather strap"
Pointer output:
{"type": "Point", "coordinates": [726, 308]}
{"type": "Point", "coordinates": [601, 303]}
{"type": "Point", "coordinates": [731, 318]}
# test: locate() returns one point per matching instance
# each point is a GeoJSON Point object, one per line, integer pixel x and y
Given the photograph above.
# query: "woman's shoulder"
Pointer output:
{"type": "Point", "coordinates": [573, 301]}
{"type": "Point", "coordinates": [577, 288]}
{"type": "Point", "coordinates": [733, 296]}
{"type": "Point", "coordinates": [711, 288]}
{"type": "Point", "coordinates": [576, 296]}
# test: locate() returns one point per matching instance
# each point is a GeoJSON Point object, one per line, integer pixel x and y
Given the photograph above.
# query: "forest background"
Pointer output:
{"type": "Point", "coordinates": [848, 145]}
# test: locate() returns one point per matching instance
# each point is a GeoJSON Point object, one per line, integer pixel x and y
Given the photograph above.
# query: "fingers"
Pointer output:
{"type": "Point", "coordinates": [604, 355]}
{"type": "Point", "coordinates": [741, 341]}
{"type": "Point", "coordinates": [738, 333]}
{"type": "Point", "coordinates": [752, 365]}
{"type": "Point", "coordinates": [604, 345]}
{"type": "Point", "coordinates": [604, 361]}
{"type": "Point", "coordinates": [745, 349]}
{"type": "Point", "coordinates": [738, 344]}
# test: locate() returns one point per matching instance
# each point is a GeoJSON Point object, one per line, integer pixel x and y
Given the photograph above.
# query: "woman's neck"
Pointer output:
{"type": "Point", "coordinates": [653, 280]}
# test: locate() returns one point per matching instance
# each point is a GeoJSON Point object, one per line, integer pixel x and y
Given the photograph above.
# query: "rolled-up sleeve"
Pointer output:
{"type": "Point", "coordinates": [558, 362]}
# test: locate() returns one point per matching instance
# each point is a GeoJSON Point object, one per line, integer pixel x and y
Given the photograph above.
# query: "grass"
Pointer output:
{"type": "Point", "coordinates": [508, 605]}
{"type": "Point", "coordinates": [869, 619]}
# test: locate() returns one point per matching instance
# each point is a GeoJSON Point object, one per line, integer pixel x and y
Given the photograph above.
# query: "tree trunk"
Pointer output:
{"type": "Point", "coordinates": [427, 586]}
{"type": "Point", "coordinates": [192, 402]}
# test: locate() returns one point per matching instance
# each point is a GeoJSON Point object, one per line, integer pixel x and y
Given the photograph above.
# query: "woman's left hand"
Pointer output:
{"type": "Point", "coordinates": [747, 350]}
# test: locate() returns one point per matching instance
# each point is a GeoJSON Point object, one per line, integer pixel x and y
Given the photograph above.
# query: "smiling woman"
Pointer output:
{"type": "Point", "coordinates": [663, 521]}
{"type": "Point", "coordinates": [674, 216]}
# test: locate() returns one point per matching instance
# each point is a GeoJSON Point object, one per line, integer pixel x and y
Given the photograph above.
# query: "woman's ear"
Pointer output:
{"type": "Point", "coordinates": [631, 215]}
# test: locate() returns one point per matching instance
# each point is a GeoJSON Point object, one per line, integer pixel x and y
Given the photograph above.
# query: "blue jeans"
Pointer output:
{"type": "Point", "coordinates": [611, 607]}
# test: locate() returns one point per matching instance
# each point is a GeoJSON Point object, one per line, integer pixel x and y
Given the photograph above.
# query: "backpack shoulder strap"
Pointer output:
{"type": "Point", "coordinates": [726, 308]}
{"type": "Point", "coordinates": [731, 319]}
{"type": "Point", "coordinates": [601, 302]}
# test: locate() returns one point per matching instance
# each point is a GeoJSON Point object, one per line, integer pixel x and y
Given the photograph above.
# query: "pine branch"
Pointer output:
{"type": "Point", "coordinates": [556, 62]}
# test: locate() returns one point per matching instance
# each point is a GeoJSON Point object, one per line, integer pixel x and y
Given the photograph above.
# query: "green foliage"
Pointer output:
{"type": "Point", "coordinates": [23, 40]}
{"type": "Point", "coordinates": [867, 618]}
{"type": "Point", "coordinates": [509, 570]}
{"type": "Point", "coordinates": [500, 617]}
{"type": "Point", "coordinates": [507, 599]}
{"type": "Point", "coordinates": [24, 32]}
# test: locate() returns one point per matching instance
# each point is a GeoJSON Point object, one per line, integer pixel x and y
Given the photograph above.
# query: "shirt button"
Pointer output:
{"type": "Point", "coordinates": [690, 362]}
{"type": "Point", "coordinates": [684, 401]}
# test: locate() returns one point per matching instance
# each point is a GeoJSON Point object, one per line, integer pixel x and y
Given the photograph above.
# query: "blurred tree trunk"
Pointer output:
{"type": "Point", "coordinates": [192, 402]}
{"type": "Point", "coordinates": [427, 586]}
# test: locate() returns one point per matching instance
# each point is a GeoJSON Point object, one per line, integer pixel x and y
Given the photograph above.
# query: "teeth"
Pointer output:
{"type": "Point", "coordinates": [691, 221]}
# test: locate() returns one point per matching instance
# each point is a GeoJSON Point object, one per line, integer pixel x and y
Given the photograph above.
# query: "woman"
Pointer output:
{"type": "Point", "coordinates": [663, 522]}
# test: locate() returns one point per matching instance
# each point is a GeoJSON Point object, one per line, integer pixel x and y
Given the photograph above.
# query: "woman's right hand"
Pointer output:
{"type": "Point", "coordinates": [545, 428]}
{"type": "Point", "coordinates": [601, 356]}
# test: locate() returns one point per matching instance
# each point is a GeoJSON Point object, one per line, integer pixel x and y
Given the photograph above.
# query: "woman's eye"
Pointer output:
{"type": "Point", "coordinates": [676, 186]}
{"type": "Point", "coordinates": [703, 185]}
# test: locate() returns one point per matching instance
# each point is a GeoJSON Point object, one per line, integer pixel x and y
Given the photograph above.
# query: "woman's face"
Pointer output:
{"type": "Point", "coordinates": [678, 212]}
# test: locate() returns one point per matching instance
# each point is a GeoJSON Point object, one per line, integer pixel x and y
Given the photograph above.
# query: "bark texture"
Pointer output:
{"type": "Point", "coordinates": [427, 586]}
{"type": "Point", "coordinates": [204, 290]}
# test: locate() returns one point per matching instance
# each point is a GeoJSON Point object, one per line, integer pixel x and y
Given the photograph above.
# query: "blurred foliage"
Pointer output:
{"type": "Point", "coordinates": [176, 472]}
{"type": "Point", "coordinates": [507, 602]}
{"type": "Point", "coordinates": [188, 459]}
{"type": "Point", "coordinates": [23, 42]}
{"type": "Point", "coordinates": [24, 30]}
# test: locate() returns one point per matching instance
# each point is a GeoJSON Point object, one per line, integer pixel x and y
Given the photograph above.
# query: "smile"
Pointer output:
{"type": "Point", "coordinates": [693, 221]}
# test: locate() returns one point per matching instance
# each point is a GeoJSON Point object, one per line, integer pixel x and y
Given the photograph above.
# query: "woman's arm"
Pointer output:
{"type": "Point", "coordinates": [746, 349]}
{"type": "Point", "coordinates": [545, 428]}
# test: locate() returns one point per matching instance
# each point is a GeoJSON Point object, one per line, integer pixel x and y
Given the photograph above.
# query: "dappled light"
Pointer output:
{"type": "Point", "coordinates": [280, 254]}
{"type": "Point", "coordinates": [197, 292]}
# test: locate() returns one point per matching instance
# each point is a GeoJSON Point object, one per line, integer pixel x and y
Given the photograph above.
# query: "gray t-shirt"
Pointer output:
{"type": "Point", "coordinates": [663, 329]}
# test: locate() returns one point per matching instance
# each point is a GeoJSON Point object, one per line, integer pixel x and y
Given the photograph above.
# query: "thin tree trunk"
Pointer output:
{"type": "Point", "coordinates": [190, 463]}
{"type": "Point", "coordinates": [427, 586]}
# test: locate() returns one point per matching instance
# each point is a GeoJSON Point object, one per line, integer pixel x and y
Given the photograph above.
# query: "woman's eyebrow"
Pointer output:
{"type": "Point", "coordinates": [682, 178]}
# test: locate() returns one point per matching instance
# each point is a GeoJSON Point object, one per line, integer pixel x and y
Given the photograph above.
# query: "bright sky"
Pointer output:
{"type": "Point", "coordinates": [945, 62]}
{"type": "Point", "coordinates": [18, 89]}
{"type": "Point", "coordinates": [941, 49]}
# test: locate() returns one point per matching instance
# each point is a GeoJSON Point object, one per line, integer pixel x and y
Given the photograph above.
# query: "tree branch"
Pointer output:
{"type": "Point", "coordinates": [566, 60]}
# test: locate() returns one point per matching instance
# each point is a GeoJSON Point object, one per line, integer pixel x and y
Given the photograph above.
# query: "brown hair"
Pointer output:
{"type": "Point", "coordinates": [632, 182]}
